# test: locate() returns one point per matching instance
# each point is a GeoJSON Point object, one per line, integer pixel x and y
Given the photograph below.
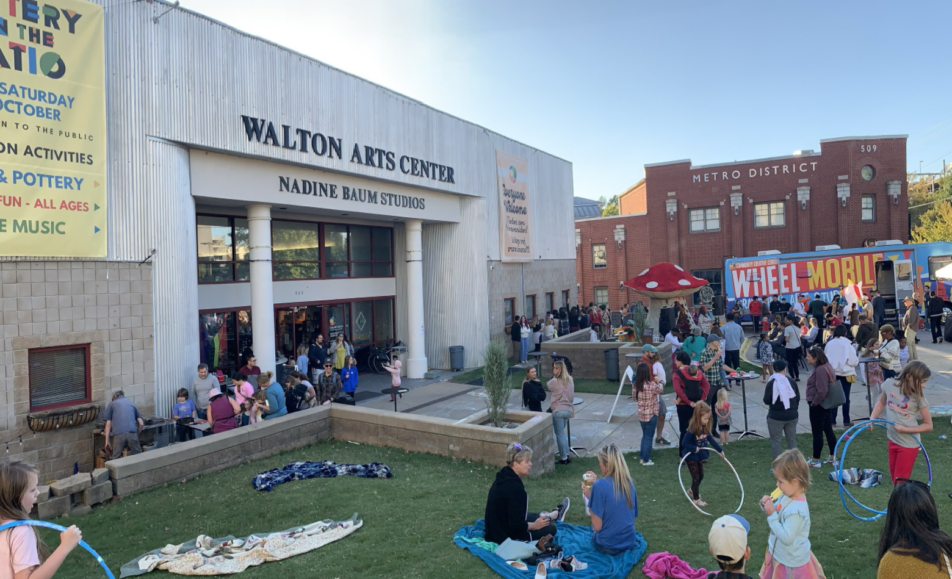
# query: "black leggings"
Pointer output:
{"type": "Point", "coordinates": [697, 475]}
{"type": "Point", "coordinates": [685, 413]}
{"type": "Point", "coordinates": [820, 425]}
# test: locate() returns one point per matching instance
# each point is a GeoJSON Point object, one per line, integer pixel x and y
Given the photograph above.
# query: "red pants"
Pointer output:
{"type": "Point", "coordinates": [901, 460]}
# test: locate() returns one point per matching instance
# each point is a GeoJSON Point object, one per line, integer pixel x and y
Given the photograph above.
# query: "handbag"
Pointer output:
{"type": "Point", "coordinates": [835, 397]}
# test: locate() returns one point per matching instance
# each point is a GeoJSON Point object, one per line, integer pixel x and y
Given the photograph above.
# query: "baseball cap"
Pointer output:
{"type": "Point", "coordinates": [728, 538]}
{"type": "Point", "coordinates": [648, 348]}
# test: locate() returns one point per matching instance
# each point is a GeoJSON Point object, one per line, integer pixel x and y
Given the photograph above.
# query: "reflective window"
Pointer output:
{"type": "Point", "coordinates": [509, 310]}
{"type": "Point", "coordinates": [769, 214]}
{"type": "Point", "coordinates": [598, 256]}
{"type": "Point", "coordinates": [601, 296]}
{"type": "Point", "coordinates": [869, 208]}
{"type": "Point", "coordinates": [223, 338]}
{"type": "Point", "coordinates": [707, 219]}
{"type": "Point", "coordinates": [295, 250]}
{"type": "Point", "coordinates": [222, 249]}
{"type": "Point", "coordinates": [362, 316]}
{"type": "Point", "coordinates": [383, 320]}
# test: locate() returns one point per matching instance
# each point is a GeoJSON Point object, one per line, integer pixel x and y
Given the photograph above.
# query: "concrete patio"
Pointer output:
{"type": "Point", "coordinates": [591, 428]}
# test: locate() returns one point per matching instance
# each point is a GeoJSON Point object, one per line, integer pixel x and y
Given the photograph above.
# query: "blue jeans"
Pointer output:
{"type": "Point", "coordinates": [560, 420]}
{"type": "Point", "coordinates": [647, 437]}
{"type": "Point", "coordinates": [846, 405]}
{"type": "Point", "coordinates": [605, 550]}
{"type": "Point", "coordinates": [523, 349]}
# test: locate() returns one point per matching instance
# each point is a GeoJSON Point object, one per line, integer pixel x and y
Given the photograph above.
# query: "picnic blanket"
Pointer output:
{"type": "Point", "coordinates": [575, 540]}
{"type": "Point", "coordinates": [667, 566]}
{"type": "Point", "coordinates": [324, 469]}
{"type": "Point", "coordinates": [864, 477]}
{"type": "Point", "coordinates": [207, 556]}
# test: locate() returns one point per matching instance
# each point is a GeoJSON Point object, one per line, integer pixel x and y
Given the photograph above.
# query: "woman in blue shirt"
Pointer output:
{"type": "Point", "coordinates": [348, 376]}
{"type": "Point", "coordinates": [612, 503]}
{"type": "Point", "coordinates": [274, 394]}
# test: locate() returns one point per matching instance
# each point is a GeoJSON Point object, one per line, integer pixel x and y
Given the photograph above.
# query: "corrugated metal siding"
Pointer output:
{"type": "Point", "coordinates": [400, 275]}
{"type": "Point", "coordinates": [455, 294]}
{"type": "Point", "coordinates": [174, 271]}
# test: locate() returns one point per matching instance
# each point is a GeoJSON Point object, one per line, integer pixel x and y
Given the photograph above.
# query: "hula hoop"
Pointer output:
{"type": "Point", "coordinates": [681, 480]}
{"type": "Point", "coordinates": [848, 436]}
{"type": "Point", "coordinates": [82, 544]}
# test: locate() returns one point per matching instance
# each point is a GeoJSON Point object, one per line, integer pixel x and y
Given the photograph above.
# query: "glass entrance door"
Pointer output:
{"type": "Point", "coordinates": [294, 327]}
{"type": "Point", "coordinates": [338, 321]}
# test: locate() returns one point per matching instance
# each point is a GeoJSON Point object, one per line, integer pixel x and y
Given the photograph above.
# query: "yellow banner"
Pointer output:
{"type": "Point", "coordinates": [52, 129]}
{"type": "Point", "coordinates": [515, 224]}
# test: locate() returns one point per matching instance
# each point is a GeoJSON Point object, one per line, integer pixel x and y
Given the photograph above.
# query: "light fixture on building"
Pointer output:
{"type": "Point", "coordinates": [803, 205]}
{"type": "Point", "coordinates": [843, 200]}
{"type": "Point", "coordinates": [619, 235]}
{"type": "Point", "coordinates": [621, 285]}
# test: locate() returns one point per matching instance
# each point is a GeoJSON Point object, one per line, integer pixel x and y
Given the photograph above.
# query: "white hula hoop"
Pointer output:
{"type": "Point", "coordinates": [693, 504]}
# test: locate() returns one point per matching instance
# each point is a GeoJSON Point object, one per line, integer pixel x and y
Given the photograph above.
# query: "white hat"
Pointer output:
{"type": "Point", "coordinates": [214, 392]}
{"type": "Point", "coordinates": [728, 538]}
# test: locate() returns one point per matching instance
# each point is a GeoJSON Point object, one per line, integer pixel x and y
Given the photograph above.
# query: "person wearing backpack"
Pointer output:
{"type": "Point", "coordinates": [691, 387]}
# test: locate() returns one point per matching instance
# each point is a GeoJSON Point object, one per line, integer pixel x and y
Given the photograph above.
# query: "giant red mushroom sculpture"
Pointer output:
{"type": "Point", "coordinates": [662, 282]}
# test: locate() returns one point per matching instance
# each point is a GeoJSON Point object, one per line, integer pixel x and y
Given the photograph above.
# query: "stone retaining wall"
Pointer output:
{"type": "Point", "coordinates": [410, 432]}
{"type": "Point", "coordinates": [588, 358]}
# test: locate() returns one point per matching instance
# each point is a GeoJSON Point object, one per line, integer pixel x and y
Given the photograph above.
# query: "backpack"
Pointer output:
{"type": "Point", "coordinates": [692, 388]}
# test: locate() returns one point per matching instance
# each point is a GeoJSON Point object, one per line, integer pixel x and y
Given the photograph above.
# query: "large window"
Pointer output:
{"type": "Point", "coordinates": [224, 338]}
{"type": "Point", "coordinates": [714, 279]}
{"type": "Point", "coordinates": [530, 311]}
{"type": "Point", "coordinates": [768, 214]}
{"type": "Point", "coordinates": [565, 298]}
{"type": "Point", "coordinates": [59, 377]}
{"type": "Point", "coordinates": [509, 310]}
{"type": "Point", "coordinates": [300, 250]}
{"type": "Point", "coordinates": [222, 249]}
{"type": "Point", "coordinates": [295, 250]}
{"type": "Point", "coordinates": [937, 262]}
{"type": "Point", "coordinates": [707, 219]}
{"type": "Point", "coordinates": [549, 302]}
{"type": "Point", "coordinates": [601, 295]}
{"type": "Point", "coordinates": [869, 208]}
{"type": "Point", "coordinates": [598, 256]}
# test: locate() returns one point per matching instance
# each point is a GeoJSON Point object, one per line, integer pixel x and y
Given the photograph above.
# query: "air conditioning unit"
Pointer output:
{"type": "Point", "coordinates": [827, 247]}
{"type": "Point", "coordinates": [768, 252]}
{"type": "Point", "coordinates": [887, 242]}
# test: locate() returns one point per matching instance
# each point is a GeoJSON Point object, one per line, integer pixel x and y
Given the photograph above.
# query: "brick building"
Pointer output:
{"type": "Point", "coordinates": [851, 191]}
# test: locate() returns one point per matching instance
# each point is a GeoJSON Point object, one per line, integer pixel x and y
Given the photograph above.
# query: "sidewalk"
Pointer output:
{"type": "Point", "coordinates": [591, 428]}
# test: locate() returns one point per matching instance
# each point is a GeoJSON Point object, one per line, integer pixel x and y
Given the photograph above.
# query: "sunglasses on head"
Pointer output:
{"type": "Point", "coordinates": [918, 483]}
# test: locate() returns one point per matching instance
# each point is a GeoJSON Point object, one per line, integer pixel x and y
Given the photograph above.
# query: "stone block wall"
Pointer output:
{"type": "Point", "coordinates": [542, 277]}
{"type": "Point", "coordinates": [44, 304]}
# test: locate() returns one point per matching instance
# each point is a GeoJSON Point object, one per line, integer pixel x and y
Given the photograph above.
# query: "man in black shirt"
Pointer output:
{"type": "Point", "coordinates": [784, 306]}
{"type": "Point", "coordinates": [316, 354]}
{"type": "Point", "coordinates": [934, 309]}
{"type": "Point", "coordinates": [816, 309]}
{"type": "Point", "coordinates": [879, 309]}
{"type": "Point", "coordinates": [774, 306]}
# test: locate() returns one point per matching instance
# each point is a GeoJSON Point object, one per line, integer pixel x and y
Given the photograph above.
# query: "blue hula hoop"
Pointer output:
{"type": "Point", "coordinates": [848, 436]}
{"type": "Point", "coordinates": [83, 544]}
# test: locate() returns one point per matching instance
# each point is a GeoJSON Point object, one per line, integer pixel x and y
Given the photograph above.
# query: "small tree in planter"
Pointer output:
{"type": "Point", "coordinates": [639, 321]}
{"type": "Point", "coordinates": [496, 382]}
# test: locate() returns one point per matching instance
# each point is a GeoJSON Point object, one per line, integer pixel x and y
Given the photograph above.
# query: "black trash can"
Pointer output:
{"type": "Point", "coordinates": [457, 358]}
{"type": "Point", "coordinates": [611, 365]}
{"type": "Point", "coordinates": [947, 330]}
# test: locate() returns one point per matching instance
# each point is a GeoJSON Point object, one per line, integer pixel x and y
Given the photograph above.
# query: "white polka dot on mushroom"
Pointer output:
{"type": "Point", "coordinates": [678, 267]}
{"type": "Point", "coordinates": [644, 272]}
{"type": "Point", "coordinates": [651, 284]}
{"type": "Point", "coordinates": [683, 282]}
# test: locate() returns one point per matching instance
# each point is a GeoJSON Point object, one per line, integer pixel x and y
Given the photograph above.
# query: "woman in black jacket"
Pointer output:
{"type": "Point", "coordinates": [533, 394]}
{"type": "Point", "coordinates": [782, 398]}
{"type": "Point", "coordinates": [507, 508]}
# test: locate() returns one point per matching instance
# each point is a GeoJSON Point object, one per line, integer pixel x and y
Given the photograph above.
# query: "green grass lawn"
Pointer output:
{"type": "Point", "coordinates": [409, 520]}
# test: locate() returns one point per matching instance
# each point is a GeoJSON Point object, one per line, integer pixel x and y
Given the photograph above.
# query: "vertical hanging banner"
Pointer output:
{"type": "Point", "coordinates": [52, 129]}
{"type": "Point", "coordinates": [515, 224]}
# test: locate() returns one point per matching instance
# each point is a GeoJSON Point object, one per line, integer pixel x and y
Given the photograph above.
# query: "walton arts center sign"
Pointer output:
{"type": "Point", "coordinates": [53, 129]}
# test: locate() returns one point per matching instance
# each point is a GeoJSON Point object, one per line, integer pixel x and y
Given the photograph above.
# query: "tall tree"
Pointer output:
{"type": "Point", "coordinates": [930, 207]}
{"type": "Point", "coordinates": [610, 207]}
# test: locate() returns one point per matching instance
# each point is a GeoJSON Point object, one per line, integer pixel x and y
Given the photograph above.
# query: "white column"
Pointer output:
{"type": "Point", "coordinates": [416, 339]}
{"type": "Point", "coordinates": [262, 292]}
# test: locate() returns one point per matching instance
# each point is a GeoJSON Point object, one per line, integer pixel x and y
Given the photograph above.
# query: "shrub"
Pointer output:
{"type": "Point", "coordinates": [496, 381]}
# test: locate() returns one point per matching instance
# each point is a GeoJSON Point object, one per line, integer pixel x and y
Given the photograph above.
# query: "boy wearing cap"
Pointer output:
{"type": "Point", "coordinates": [728, 544]}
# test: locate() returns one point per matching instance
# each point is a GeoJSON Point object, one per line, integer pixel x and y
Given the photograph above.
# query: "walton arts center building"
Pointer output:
{"type": "Point", "coordinates": [851, 192]}
{"type": "Point", "coordinates": [233, 195]}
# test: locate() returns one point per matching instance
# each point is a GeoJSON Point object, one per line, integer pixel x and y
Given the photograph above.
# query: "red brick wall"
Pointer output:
{"type": "Point", "coordinates": [654, 237]}
{"type": "Point", "coordinates": [633, 201]}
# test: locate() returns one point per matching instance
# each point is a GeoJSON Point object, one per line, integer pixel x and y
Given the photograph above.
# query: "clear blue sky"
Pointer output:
{"type": "Point", "coordinates": [611, 86]}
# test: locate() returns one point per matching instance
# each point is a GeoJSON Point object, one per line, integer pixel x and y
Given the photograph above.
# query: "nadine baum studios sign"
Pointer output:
{"type": "Point", "coordinates": [515, 224]}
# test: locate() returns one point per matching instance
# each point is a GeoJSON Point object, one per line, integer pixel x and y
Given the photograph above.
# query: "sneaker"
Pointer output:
{"type": "Point", "coordinates": [562, 509]}
{"type": "Point", "coordinates": [848, 424]}
{"type": "Point", "coordinates": [832, 461]}
{"type": "Point", "coordinates": [814, 463]}
{"type": "Point", "coordinates": [647, 463]}
{"type": "Point", "coordinates": [663, 441]}
{"type": "Point", "coordinates": [565, 461]}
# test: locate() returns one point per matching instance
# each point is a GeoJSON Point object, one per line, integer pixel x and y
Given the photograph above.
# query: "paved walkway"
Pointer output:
{"type": "Point", "coordinates": [592, 429]}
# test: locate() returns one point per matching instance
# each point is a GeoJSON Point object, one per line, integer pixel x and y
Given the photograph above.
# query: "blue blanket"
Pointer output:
{"type": "Point", "coordinates": [575, 541]}
{"type": "Point", "coordinates": [324, 469]}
